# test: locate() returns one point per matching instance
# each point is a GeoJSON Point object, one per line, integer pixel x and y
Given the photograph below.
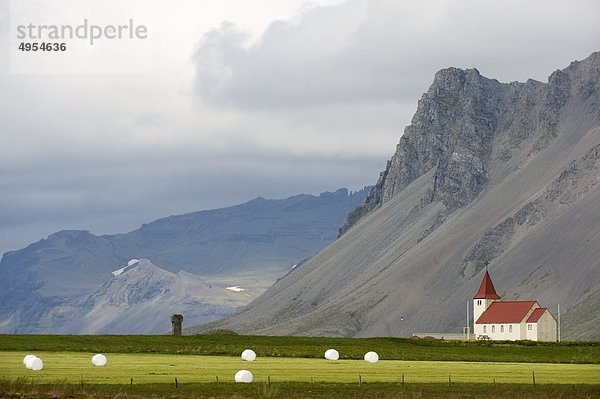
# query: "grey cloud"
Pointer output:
{"type": "Point", "coordinates": [150, 118]}
{"type": "Point", "coordinates": [386, 50]}
{"type": "Point", "coordinates": [317, 103]}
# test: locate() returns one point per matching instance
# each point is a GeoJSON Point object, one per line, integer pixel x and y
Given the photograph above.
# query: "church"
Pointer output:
{"type": "Point", "coordinates": [510, 320]}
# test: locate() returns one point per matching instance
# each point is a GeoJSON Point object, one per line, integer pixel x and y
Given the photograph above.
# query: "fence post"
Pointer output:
{"type": "Point", "coordinates": [449, 380]}
{"type": "Point", "coordinates": [533, 376]}
{"type": "Point", "coordinates": [269, 379]}
{"type": "Point", "coordinates": [176, 383]}
{"type": "Point", "coordinates": [359, 380]}
{"type": "Point", "coordinates": [131, 382]}
{"type": "Point", "coordinates": [402, 378]}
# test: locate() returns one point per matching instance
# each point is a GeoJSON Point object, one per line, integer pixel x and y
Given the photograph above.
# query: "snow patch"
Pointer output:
{"type": "Point", "coordinates": [235, 288]}
{"type": "Point", "coordinates": [118, 272]}
{"type": "Point", "coordinates": [132, 262]}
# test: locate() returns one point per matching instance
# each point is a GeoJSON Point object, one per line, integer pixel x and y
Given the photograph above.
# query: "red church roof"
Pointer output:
{"type": "Point", "coordinates": [486, 289]}
{"type": "Point", "coordinates": [506, 312]}
{"type": "Point", "coordinates": [535, 316]}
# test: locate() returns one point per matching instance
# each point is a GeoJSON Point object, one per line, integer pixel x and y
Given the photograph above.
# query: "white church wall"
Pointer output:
{"type": "Point", "coordinates": [509, 331]}
{"type": "Point", "coordinates": [478, 331]}
{"type": "Point", "coordinates": [523, 328]}
{"type": "Point", "coordinates": [546, 328]}
{"type": "Point", "coordinates": [532, 331]}
{"type": "Point", "coordinates": [499, 331]}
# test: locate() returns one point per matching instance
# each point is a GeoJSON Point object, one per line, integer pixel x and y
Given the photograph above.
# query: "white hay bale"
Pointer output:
{"type": "Point", "coordinates": [99, 360]}
{"type": "Point", "coordinates": [29, 360]}
{"type": "Point", "coordinates": [244, 376]}
{"type": "Point", "coordinates": [371, 357]}
{"type": "Point", "coordinates": [35, 364]}
{"type": "Point", "coordinates": [26, 359]}
{"type": "Point", "coordinates": [332, 354]}
{"type": "Point", "coordinates": [248, 355]}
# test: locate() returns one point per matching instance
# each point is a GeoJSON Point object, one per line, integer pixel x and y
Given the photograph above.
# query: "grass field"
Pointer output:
{"type": "Point", "coordinates": [312, 347]}
{"type": "Point", "coordinates": [157, 368]}
{"type": "Point", "coordinates": [295, 368]}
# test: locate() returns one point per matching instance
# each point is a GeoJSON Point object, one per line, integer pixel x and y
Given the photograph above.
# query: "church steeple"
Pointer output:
{"type": "Point", "coordinates": [484, 297]}
{"type": "Point", "coordinates": [486, 289]}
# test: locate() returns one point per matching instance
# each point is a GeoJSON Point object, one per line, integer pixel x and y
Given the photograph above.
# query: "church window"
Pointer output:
{"type": "Point", "coordinates": [529, 327]}
{"type": "Point", "coordinates": [493, 328]}
{"type": "Point", "coordinates": [484, 328]}
{"type": "Point", "coordinates": [501, 328]}
{"type": "Point", "coordinates": [478, 302]}
{"type": "Point", "coordinates": [510, 328]}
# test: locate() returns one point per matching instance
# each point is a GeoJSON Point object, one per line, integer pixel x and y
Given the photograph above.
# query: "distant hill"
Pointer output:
{"type": "Point", "coordinates": [250, 244]}
{"type": "Point", "coordinates": [505, 174]}
{"type": "Point", "coordinates": [141, 299]}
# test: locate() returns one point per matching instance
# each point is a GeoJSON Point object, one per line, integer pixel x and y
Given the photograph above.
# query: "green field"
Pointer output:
{"type": "Point", "coordinates": [157, 368]}
{"type": "Point", "coordinates": [312, 347]}
{"type": "Point", "coordinates": [204, 366]}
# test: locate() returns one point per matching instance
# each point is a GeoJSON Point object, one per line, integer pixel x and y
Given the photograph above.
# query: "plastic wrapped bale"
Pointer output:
{"type": "Point", "coordinates": [371, 357]}
{"type": "Point", "coordinates": [26, 359]}
{"type": "Point", "coordinates": [35, 364]}
{"type": "Point", "coordinates": [244, 376]}
{"type": "Point", "coordinates": [99, 360]}
{"type": "Point", "coordinates": [248, 355]}
{"type": "Point", "coordinates": [332, 354]}
{"type": "Point", "coordinates": [29, 360]}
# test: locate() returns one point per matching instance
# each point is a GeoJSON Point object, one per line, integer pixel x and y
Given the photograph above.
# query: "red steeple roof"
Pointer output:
{"type": "Point", "coordinates": [486, 289]}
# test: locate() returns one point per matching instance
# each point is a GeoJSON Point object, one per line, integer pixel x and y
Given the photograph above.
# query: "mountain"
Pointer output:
{"type": "Point", "coordinates": [142, 298]}
{"type": "Point", "coordinates": [250, 244]}
{"type": "Point", "coordinates": [488, 173]}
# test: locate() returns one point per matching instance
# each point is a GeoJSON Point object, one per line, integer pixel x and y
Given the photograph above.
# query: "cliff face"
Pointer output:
{"type": "Point", "coordinates": [452, 133]}
{"type": "Point", "coordinates": [454, 127]}
{"type": "Point", "coordinates": [487, 173]}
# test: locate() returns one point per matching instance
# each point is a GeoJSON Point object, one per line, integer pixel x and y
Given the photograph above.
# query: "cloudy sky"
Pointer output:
{"type": "Point", "coordinates": [242, 99]}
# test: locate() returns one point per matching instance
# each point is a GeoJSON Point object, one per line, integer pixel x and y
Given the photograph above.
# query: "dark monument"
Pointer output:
{"type": "Point", "coordinates": [177, 321]}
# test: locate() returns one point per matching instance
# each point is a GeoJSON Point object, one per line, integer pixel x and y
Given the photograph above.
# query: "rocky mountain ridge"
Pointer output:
{"type": "Point", "coordinates": [454, 128]}
{"type": "Point", "coordinates": [504, 174]}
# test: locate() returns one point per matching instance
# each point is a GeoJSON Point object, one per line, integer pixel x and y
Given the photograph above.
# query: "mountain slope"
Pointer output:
{"type": "Point", "coordinates": [505, 174]}
{"type": "Point", "coordinates": [253, 243]}
{"type": "Point", "coordinates": [258, 235]}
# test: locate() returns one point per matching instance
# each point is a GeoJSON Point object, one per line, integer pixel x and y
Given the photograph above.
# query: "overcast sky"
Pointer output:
{"type": "Point", "coordinates": [264, 98]}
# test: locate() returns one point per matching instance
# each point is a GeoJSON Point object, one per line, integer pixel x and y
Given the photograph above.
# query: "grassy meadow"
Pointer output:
{"type": "Point", "coordinates": [312, 347]}
{"type": "Point", "coordinates": [294, 367]}
{"type": "Point", "coordinates": [157, 368]}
